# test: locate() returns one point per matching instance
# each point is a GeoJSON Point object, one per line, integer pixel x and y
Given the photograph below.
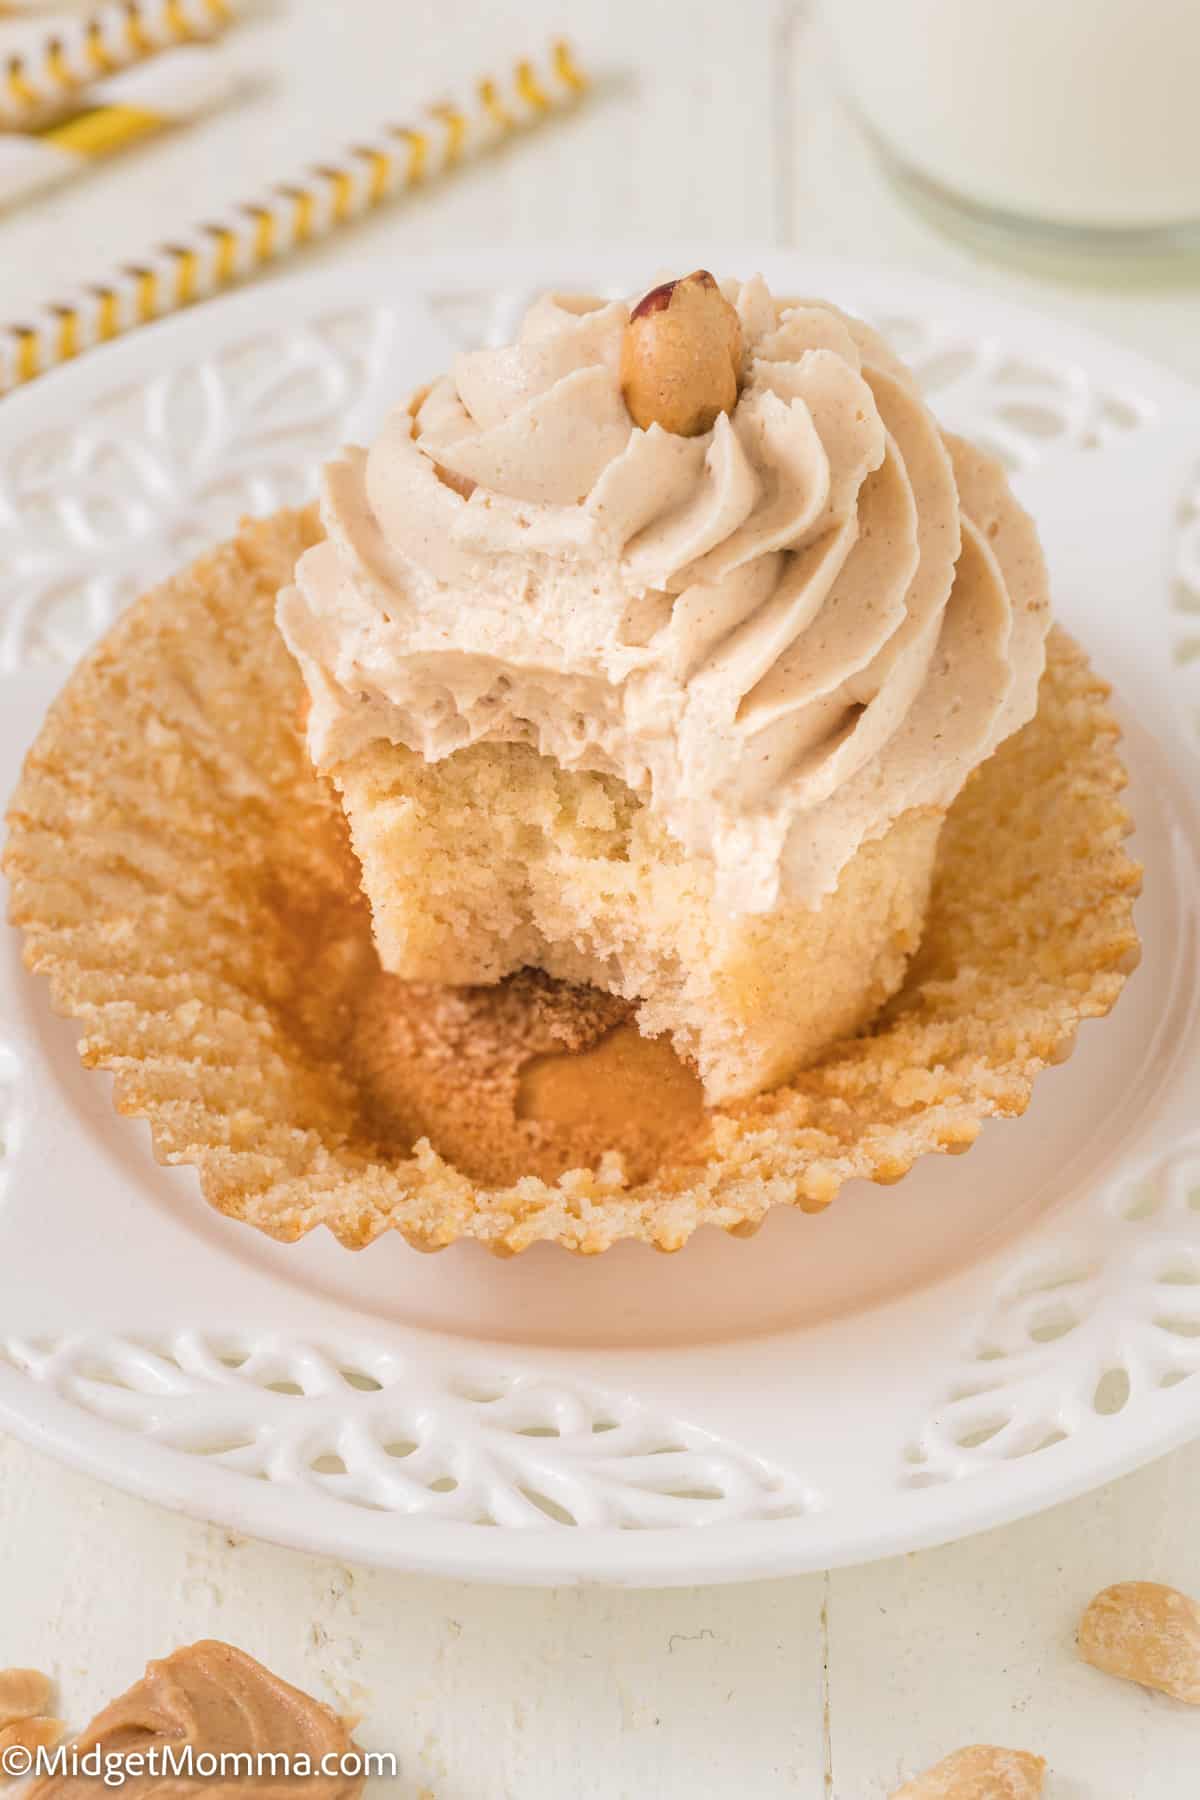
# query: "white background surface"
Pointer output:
{"type": "Point", "coordinates": [707, 120]}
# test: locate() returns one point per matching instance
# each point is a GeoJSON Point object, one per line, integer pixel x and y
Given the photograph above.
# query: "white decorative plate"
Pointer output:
{"type": "Point", "coordinates": [997, 1333]}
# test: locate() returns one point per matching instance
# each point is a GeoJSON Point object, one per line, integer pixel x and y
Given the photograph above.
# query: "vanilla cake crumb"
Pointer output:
{"type": "Point", "coordinates": [496, 859]}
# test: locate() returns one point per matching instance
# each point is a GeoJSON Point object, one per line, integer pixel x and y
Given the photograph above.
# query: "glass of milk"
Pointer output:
{"type": "Point", "coordinates": [1081, 115]}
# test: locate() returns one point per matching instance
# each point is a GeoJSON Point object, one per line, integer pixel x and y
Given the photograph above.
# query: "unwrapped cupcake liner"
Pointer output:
{"type": "Point", "coordinates": [185, 883]}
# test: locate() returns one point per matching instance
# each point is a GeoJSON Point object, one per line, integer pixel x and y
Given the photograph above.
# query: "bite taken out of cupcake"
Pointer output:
{"type": "Point", "coordinates": [651, 651]}
{"type": "Point", "coordinates": [645, 790]}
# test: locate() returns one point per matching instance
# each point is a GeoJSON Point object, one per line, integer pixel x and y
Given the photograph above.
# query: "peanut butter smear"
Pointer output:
{"type": "Point", "coordinates": [214, 1699]}
{"type": "Point", "coordinates": [530, 1077]}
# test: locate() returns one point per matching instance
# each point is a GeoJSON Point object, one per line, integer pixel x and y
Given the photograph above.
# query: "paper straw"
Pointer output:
{"type": "Point", "coordinates": [179, 85]}
{"type": "Point", "coordinates": [225, 249]}
{"type": "Point", "coordinates": [85, 50]}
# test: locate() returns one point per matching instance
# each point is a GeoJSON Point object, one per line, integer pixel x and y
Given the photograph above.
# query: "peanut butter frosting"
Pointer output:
{"type": "Point", "coordinates": [781, 633]}
{"type": "Point", "coordinates": [215, 1700]}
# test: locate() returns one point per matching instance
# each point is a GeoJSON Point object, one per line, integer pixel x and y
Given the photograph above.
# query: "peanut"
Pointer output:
{"type": "Point", "coordinates": [681, 356]}
{"type": "Point", "coordinates": [23, 1692]}
{"type": "Point", "coordinates": [1144, 1632]}
{"type": "Point", "coordinates": [32, 1735]}
{"type": "Point", "coordinates": [980, 1772]}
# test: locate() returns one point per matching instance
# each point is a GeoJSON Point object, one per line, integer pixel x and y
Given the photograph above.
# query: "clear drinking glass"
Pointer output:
{"type": "Point", "coordinates": [1062, 119]}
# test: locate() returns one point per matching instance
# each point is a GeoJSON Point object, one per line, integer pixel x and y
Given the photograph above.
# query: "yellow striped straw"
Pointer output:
{"type": "Point", "coordinates": [52, 78]}
{"type": "Point", "coordinates": [312, 204]}
{"type": "Point", "coordinates": [177, 86]}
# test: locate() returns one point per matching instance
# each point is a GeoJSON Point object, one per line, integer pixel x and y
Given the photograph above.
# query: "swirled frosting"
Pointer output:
{"type": "Point", "coordinates": [781, 635]}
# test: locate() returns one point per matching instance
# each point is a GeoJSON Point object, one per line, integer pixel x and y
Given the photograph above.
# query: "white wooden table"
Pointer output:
{"type": "Point", "coordinates": [708, 120]}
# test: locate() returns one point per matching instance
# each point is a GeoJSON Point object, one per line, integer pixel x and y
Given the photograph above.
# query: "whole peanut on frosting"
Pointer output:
{"type": "Point", "coordinates": [681, 358]}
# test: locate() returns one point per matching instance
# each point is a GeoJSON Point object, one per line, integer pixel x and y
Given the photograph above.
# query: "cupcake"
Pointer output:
{"type": "Point", "coordinates": [645, 792]}
{"type": "Point", "coordinates": [651, 650]}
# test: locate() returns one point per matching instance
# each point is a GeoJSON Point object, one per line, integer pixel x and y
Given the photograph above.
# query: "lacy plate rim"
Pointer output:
{"type": "Point", "coordinates": [737, 1549]}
